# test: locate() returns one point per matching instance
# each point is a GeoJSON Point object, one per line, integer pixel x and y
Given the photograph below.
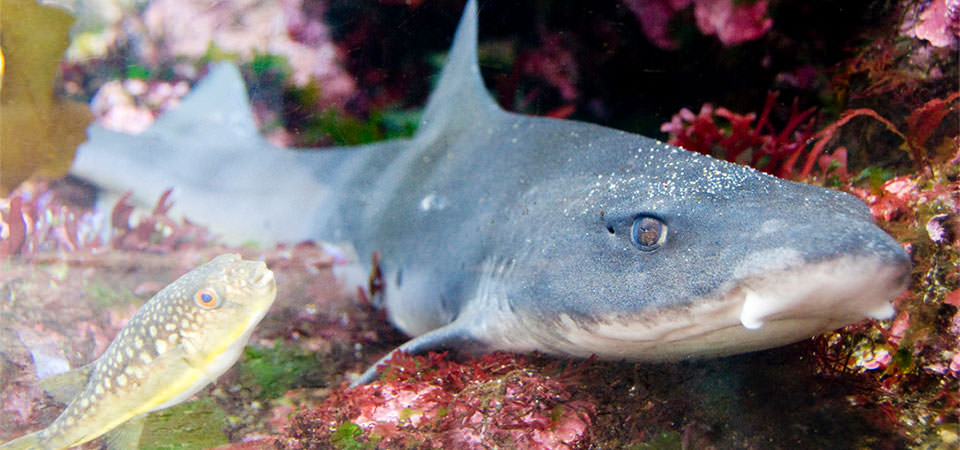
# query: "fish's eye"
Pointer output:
{"type": "Point", "coordinates": [648, 233]}
{"type": "Point", "coordinates": [206, 298]}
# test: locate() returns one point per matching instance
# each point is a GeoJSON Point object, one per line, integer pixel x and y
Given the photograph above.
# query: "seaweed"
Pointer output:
{"type": "Point", "coordinates": [39, 130]}
{"type": "Point", "coordinates": [426, 400]}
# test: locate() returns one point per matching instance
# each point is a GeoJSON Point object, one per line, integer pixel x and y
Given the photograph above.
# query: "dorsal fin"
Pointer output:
{"type": "Point", "coordinates": [460, 96]}
{"type": "Point", "coordinates": [217, 104]}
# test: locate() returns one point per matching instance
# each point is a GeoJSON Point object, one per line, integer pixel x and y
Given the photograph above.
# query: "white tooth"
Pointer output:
{"type": "Point", "coordinates": [884, 312]}
{"type": "Point", "coordinates": [753, 311]}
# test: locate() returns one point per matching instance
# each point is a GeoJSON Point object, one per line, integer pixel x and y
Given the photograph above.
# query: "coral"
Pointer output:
{"type": "Point", "coordinates": [737, 138]}
{"type": "Point", "coordinates": [552, 63]}
{"type": "Point", "coordinates": [887, 71]}
{"type": "Point", "coordinates": [778, 153]}
{"type": "Point", "coordinates": [176, 28]}
{"type": "Point", "coordinates": [132, 105]}
{"type": "Point", "coordinates": [155, 232]}
{"type": "Point", "coordinates": [35, 221]}
{"type": "Point", "coordinates": [159, 46]}
{"type": "Point", "coordinates": [937, 22]}
{"type": "Point", "coordinates": [732, 22]}
{"type": "Point", "coordinates": [923, 121]}
{"type": "Point", "coordinates": [913, 359]}
{"type": "Point", "coordinates": [494, 400]}
{"type": "Point", "coordinates": [654, 17]}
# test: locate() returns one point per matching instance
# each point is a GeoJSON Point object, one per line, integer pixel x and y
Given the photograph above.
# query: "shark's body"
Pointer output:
{"type": "Point", "coordinates": [180, 341]}
{"type": "Point", "coordinates": [502, 231]}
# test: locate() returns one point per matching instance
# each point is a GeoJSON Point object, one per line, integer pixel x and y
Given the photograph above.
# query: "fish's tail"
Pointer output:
{"type": "Point", "coordinates": [30, 441]}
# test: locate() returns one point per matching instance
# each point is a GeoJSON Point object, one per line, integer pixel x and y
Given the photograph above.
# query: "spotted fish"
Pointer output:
{"type": "Point", "coordinates": [180, 341]}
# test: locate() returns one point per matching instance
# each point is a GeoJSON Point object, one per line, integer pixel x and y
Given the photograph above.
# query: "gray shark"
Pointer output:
{"type": "Point", "coordinates": [501, 231]}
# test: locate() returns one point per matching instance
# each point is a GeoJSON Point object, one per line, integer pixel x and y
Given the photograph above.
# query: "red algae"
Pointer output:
{"type": "Point", "coordinates": [742, 137]}
{"type": "Point", "coordinates": [492, 400]}
{"type": "Point", "coordinates": [732, 22]}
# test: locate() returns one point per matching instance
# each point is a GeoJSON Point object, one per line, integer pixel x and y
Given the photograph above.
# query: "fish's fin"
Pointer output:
{"type": "Point", "coordinates": [127, 435]}
{"type": "Point", "coordinates": [452, 335]}
{"type": "Point", "coordinates": [217, 104]}
{"type": "Point", "coordinates": [459, 98]}
{"type": "Point", "coordinates": [30, 441]}
{"type": "Point", "coordinates": [65, 386]}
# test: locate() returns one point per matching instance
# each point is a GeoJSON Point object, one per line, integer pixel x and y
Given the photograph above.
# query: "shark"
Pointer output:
{"type": "Point", "coordinates": [177, 343]}
{"type": "Point", "coordinates": [500, 231]}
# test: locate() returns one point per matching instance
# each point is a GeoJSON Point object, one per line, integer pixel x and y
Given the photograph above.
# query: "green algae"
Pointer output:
{"type": "Point", "coordinates": [104, 295]}
{"type": "Point", "coordinates": [279, 368]}
{"type": "Point", "coordinates": [190, 425]}
{"type": "Point", "coordinates": [663, 441]}
{"type": "Point", "coordinates": [345, 438]}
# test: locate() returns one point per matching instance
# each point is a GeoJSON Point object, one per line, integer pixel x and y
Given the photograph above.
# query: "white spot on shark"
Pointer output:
{"type": "Point", "coordinates": [770, 226]}
{"type": "Point", "coordinates": [433, 202]}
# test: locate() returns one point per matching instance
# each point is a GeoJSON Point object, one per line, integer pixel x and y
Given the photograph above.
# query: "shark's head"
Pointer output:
{"type": "Point", "coordinates": [622, 246]}
{"type": "Point", "coordinates": [671, 254]}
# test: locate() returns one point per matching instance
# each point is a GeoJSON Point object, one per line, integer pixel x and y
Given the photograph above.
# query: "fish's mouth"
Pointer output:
{"type": "Point", "coordinates": [262, 276]}
{"type": "Point", "coordinates": [839, 292]}
{"type": "Point", "coordinates": [754, 313]}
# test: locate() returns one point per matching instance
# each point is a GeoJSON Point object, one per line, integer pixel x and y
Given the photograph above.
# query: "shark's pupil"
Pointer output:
{"type": "Point", "coordinates": [648, 233]}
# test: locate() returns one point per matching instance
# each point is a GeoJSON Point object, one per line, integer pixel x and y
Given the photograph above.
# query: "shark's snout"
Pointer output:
{"type": "Point", "coordinates": [824, 295]}
{"type": "Point", "coordinates": [829, 270]}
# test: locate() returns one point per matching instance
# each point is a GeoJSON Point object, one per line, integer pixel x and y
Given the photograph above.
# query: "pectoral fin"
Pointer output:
{"type": "Point", "coordinates": [65, 386]}
{"type": "Point", "coordinates": [126, 436]}
{"type": "Point", "coordinates": [452, 335]}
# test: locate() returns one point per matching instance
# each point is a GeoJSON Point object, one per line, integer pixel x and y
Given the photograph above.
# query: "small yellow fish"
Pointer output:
{"type": "Point", "coordinates": [181, 340]}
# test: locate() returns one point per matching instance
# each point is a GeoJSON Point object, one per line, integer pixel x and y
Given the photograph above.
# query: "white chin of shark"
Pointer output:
{"type": "Point", "coordinates": [778, 309]}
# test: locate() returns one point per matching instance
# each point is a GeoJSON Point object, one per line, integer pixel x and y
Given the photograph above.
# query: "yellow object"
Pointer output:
{"type": "Point", "coordinates": [38, 131]}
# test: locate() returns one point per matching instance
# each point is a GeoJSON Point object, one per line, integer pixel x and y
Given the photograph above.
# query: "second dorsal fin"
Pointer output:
{"type": "Point", "coordinates": [459, 98]}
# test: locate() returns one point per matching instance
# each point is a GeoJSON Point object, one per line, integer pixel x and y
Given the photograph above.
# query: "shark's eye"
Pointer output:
{"type": "Point", "coordinates": [648, 233]}
{"type": "Point", "coordinates": [206, 298]}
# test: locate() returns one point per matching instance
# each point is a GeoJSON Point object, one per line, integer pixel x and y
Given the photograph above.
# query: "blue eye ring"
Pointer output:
{"type": "Point", "coordinates": [206, 298]}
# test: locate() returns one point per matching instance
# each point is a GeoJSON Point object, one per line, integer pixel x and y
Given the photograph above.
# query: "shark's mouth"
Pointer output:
{"type": "Point", "coordinates": [754, 313]}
